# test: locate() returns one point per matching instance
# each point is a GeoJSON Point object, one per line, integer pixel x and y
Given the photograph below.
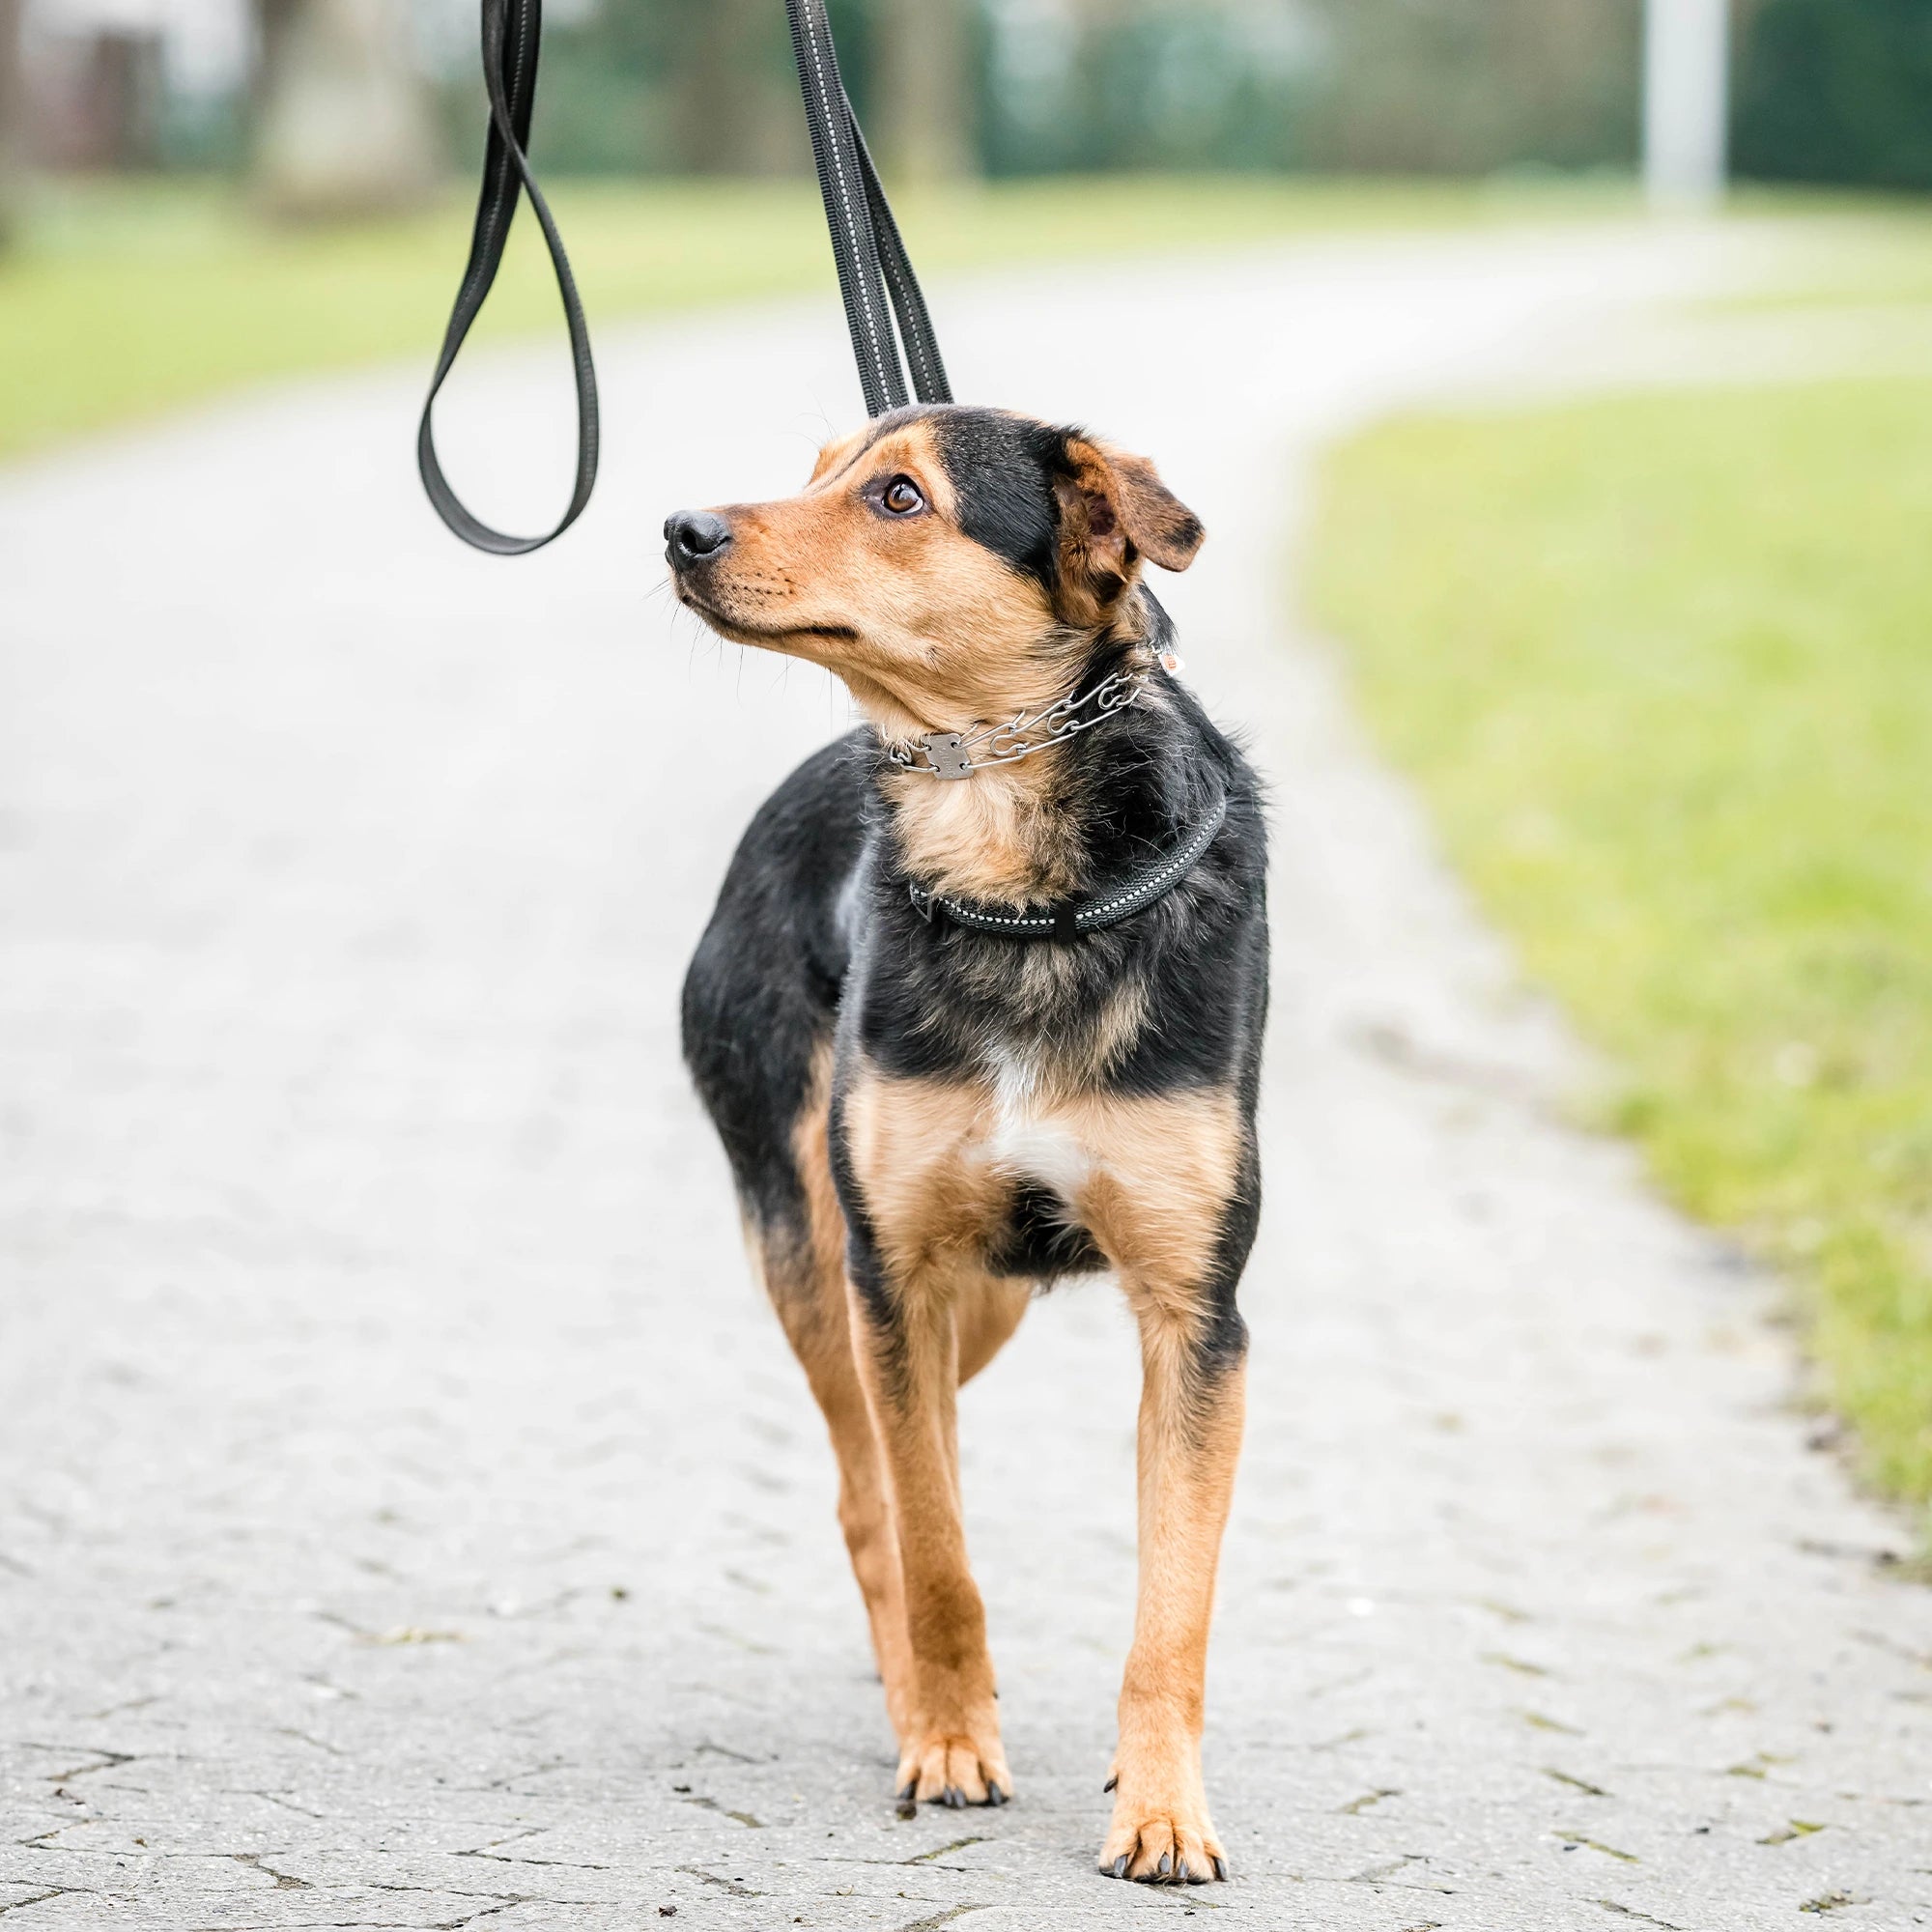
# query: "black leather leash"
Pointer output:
{"type": "Point", "coordinates": [1072, 919]}
{"type": "Point", "coordinates": [884, 308]}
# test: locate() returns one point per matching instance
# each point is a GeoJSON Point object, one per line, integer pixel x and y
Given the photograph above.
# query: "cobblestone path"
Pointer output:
{"type": "Point", "coordinates": [409, 1515]}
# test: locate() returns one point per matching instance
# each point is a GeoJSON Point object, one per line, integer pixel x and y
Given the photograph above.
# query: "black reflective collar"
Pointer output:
{"type": "Point", "coordinates": [1072, 919]}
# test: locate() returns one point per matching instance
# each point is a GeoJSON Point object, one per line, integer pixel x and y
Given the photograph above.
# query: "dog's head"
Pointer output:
{"type": "Point", "coordinates": [949, 563]}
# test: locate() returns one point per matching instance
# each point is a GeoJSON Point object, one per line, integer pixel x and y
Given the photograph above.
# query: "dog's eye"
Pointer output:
{"type": "Point", "coordinates": [902, 497]}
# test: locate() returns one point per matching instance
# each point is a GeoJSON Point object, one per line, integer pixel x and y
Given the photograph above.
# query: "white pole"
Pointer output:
{"type": "Point", "coordinates": [1685, 92]}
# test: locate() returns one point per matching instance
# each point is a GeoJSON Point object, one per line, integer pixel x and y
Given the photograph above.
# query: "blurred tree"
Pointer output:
{"type": "Point", "coordinates": [1467, 86]}
{"type": "Point", "coordinates": [343, 122]}
{"type": "Point", "coordinates": [606, 105]}
{"type": "Point", "coordinates": [1461, 85]}
{"type": "Point", "coordinates": [1146, 83]}
{"type": "Point", "coordinates": [737, 102]}
{"type": "Point", "coordinates": [99, 98]}
{"type": "Point", "coordinates": [1835, 91]}
{"type": "Point", "coordinates": [925, 88]}
{"type": "Point", "coordinates": [1036, 86]}
{"type": "Point", "coordinates": [13, 115]}
{"type": "Point", "coordinates": [677, 86]}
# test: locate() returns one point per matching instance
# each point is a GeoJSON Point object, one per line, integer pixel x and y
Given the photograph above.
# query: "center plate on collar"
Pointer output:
{"type": "Point", "coordinates": [948, 754]}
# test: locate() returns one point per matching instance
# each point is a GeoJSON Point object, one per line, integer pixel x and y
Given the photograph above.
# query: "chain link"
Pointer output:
{"type": "Point", "coordinates": [954, 755]}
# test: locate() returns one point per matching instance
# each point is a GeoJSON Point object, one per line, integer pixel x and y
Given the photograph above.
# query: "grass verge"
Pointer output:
{"type": "Point", "coordinates": [1662, 666]}
{"type": "Point", "coordinates": [127, 298]}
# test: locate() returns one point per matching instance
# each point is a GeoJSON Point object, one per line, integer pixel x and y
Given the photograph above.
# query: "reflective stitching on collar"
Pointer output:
{"type": "Point", "coordinates": [1122, 903]}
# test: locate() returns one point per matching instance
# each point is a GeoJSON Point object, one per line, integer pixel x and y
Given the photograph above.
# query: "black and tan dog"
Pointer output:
{"type": "Point", "coordinates": [980, 1006]}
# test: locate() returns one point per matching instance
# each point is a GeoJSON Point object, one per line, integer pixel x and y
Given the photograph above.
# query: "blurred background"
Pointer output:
{"type": "Point", "coordinates": [196, 191]}
{"type": "Point", "coordinates": [330, 105]}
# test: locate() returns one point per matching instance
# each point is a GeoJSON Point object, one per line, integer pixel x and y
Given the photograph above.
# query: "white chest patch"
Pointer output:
{"type": "Point", "coordinates": [1030, 1143]}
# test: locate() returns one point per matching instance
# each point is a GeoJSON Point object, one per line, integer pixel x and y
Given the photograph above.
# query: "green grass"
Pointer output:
{"type": "Point", "coordinates": [1662, 666]}
{"type": "Point", "coordinates": [1849, 252]}
{"type": "Point", "coordinates": [129, 299]}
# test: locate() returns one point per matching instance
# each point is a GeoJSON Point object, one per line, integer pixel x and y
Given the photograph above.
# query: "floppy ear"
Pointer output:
{"type": "Point", "coordinates": [1114, 510]}
{"type": "Point", "coordinates": [1157, 523]}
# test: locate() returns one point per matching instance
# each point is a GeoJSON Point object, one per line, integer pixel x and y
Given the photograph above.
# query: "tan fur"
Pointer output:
{"type": "Point", "coordinates": [934, 1206]}
{"type": "Point", "coordinates": [1166, 1168]}
{"type": "Point", "coordinates": [986, 1321]}
{"type": "Point", "coordinates": [809, 1290]}
{"type": "Point", "coordinates": [1160, 1169]}
{"type": "Point", "coordinates": [919, 619]}
{"type": "Point", "coordinates": [953, 1740]}
{"type": "Point", "coordinates": [1190, 1439]}
{"type": "Point", "coordinates": [997, 839]}
{"type": "Point", "coordinates": [1159, 525]}
{"type": "Point", "coordinates": [808, 1293]}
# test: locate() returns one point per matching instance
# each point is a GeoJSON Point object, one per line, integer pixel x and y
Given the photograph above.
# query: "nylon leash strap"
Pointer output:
{"type": "Point", "coordinates": [865, 243]}
{"type": "Point", "coordinates": [884, 310]}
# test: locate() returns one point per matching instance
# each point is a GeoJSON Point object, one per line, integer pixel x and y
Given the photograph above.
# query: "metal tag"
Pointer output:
{"type": "Point", "coordinates": [948, 752]}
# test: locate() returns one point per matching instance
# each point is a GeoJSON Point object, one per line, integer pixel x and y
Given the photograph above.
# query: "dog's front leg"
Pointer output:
{"type": "Point", "coordinates": [909, 1356]}
{"type": "Point", "coordinates": [1192, 1402]}
{"type": "Point", "coordinates": [1176, 1208]}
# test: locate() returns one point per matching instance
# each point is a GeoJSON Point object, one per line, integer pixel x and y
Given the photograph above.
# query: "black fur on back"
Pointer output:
{"type": "Point", "coordinates": [764, 983]}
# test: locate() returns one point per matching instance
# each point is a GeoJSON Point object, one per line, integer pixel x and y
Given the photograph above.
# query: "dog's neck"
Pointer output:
{"type": "Point", "coordinates": [1008, 833]}
{"type": "Point", "coordinates": [1019, 834]}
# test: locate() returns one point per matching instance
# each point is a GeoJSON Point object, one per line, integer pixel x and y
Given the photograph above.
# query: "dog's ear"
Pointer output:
{"type": "Point", "coordinates": [1114, 510]}
{"type": "Point", "coordinates": [1157, 523]}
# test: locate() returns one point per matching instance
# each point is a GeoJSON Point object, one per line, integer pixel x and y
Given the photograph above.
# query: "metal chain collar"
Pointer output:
{"type": "Point", "coordinates": [957, 754]}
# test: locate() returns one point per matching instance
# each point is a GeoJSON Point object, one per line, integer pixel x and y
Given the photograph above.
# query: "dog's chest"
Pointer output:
{"type": "Point", "coordinates": [1031, 1170]}
{"type": "Point", "coordinates": [1028, 1136]}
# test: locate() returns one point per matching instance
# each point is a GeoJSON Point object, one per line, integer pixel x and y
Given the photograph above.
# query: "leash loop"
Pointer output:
{"type": "Point", "coordinates": [512, 33]}
{"type": "Point", "coordinates": [885, 309]}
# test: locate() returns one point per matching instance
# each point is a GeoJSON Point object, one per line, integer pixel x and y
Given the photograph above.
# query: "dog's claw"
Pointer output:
{"type": "Point", "coordinates": [994, 1795]}
{"type": "Point", "coordinates": [1110, 1784]}
{"type": "Point", "coordinates": [1121, 1865]}
{"type": "Point", "coordinates": [1220, 1867]}
{"type": "Point", "coordinates": [910, 1789]}
{"type": "Point", "coordinates": [952, 1798]}
{"type": "Point", "coordinates": [1166, 1864]}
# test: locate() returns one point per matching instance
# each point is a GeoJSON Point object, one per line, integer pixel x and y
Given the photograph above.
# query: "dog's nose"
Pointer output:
{"type": "Point", "coordinates": [695, 536]}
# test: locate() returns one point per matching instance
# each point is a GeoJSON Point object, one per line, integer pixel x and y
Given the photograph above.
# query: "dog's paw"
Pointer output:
{"type": "Point", "coordinates": [954, 1770]}
{"type": "Point", "coordinates": [1163, 1844]}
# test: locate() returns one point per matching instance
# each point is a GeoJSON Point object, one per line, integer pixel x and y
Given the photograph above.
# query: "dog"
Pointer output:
{"type": "Point", "coordinates": [980, 1008]}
